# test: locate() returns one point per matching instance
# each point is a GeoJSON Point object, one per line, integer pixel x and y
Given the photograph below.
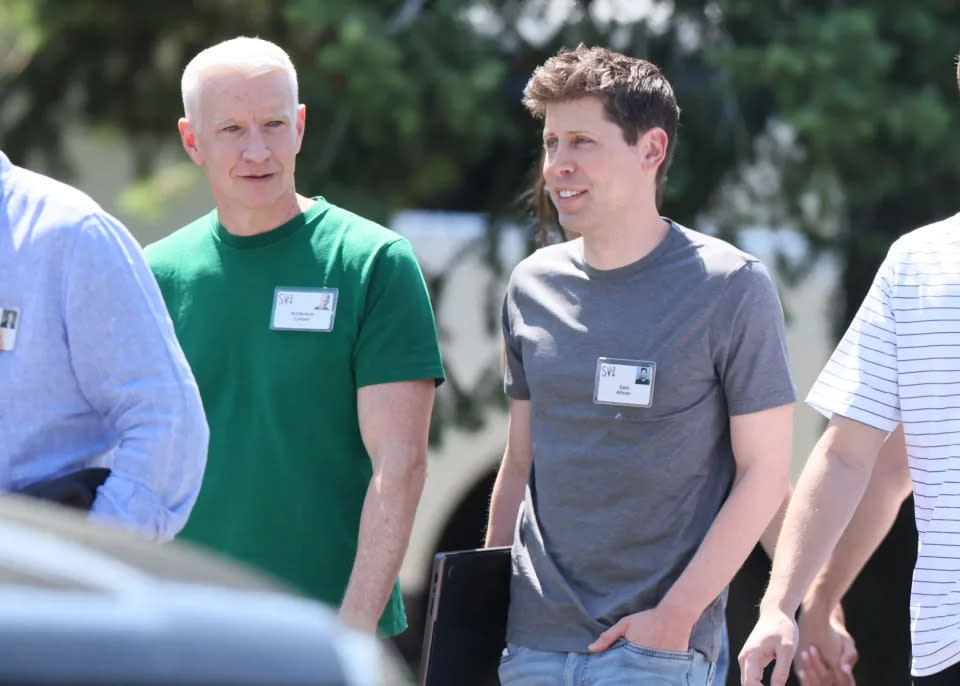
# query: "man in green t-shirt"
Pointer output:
{"type": "Point", "coordinates": [311, 335]}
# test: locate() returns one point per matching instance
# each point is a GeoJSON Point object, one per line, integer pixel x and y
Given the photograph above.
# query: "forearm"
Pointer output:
{"type": "Point", "coordinates": [508, 493]}
{"type": "Point", "coordinates": [755, 497]}
{"type": "Point", "coordinates": [511, 484]}
{"type": "Point", "coordinates": [768, 539]}
{"type": "Point", "coordinates": [821, 624]}
{"type": "Point", "coordinates": [385, 524]}
{"type": "Point", "coordinates": [822, 505]}
{"type": "Point", "coordinates": [889, 485]}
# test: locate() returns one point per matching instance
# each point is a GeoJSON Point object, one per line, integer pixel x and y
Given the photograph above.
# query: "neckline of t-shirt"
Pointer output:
{"type": "Point", "coordinates": [268, 237]}
{"type": "Point", "coordinates": [628, 270]}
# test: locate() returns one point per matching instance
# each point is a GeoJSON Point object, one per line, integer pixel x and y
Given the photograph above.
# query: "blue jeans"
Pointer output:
{"type": "Point", "coordinates": [623, 664]}
{"type": "Point", "coordinates": [723, 659]}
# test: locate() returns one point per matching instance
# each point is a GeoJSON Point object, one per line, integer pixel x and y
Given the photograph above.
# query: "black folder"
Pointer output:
{"type": "Point", "coordinates": [77, 489]}
{"type": "Point", "coordinates": [466, 618]}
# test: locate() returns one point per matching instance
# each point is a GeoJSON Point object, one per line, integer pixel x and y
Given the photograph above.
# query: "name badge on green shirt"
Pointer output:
{"type": "Point", "coordinates": [303, 309]}
{"type": "Point", "coordinates": [624, 382]}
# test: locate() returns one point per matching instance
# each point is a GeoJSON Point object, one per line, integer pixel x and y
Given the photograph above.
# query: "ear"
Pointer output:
{"type": "Point", "coordinates": [301, 124]}
{"type": "Point", "coordinates": [189, 139]}
{"type": "Point", "coordinates": [654, 145]}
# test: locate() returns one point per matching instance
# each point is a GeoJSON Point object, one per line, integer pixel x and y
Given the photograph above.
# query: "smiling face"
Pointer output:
{"type": "Point", "coordinates": [246, 133]}
{"type": "Point", "coordinates": [594, 177]}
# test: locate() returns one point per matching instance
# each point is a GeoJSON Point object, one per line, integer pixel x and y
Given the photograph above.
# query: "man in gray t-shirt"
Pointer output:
{"type": "Point", "coordinates": [637, 501]}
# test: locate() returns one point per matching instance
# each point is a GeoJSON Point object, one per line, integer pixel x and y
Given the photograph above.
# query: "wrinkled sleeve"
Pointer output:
{"type": "Point", "coordinates": [130, 367]}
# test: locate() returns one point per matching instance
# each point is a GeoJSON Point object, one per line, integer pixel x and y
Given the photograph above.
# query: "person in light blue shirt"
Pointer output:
{"type": "Point", "coordinates": [93, 375]}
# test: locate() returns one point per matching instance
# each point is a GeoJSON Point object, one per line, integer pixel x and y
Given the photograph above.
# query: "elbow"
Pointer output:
{"type": "Point", "coordinates": [156, 477]}
{"type": "Point", "coordinates": [174, 515]}
{"type": "Point", "coordinates": [403, 473]}
{"type": "Point", "coordinates": [783, 488]}
{"type": "Point", "coordinates": [416, 471]}
{"type": "Point", "coordinates": [201, 446]}
{"type": "Point", "coordinates": [166, 535]}
{"type": "Point", "coordinates": [892, 475]}
{"type": "Point", "coordinates": [198, 427]}
{"type": "Point", "coordinates": [781, 477]}
{"type": "Point", "coordinates": [770, 477]}
{"type": "Point", "coordinates": [185, 474]}
{"type": "Point", "coordinates": [777, 484]}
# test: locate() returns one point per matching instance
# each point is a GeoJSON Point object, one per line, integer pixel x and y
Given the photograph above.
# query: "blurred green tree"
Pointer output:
{"type": "Point", "coordinates": [817, 116]}
{"type": "Point", "coordinates": [869, 94]}
{"type": "Point", "coordinates": [401, 97]}
{"type": "Point", "coordinates": [831, 119]}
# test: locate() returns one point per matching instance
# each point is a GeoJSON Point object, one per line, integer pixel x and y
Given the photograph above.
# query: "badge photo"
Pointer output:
{"type": "Point", "coordinates": [9, 324]}
{"type": "Point", "coordinates": [624, 382]}
{"type": "Point", "coordinates": [303, 309]}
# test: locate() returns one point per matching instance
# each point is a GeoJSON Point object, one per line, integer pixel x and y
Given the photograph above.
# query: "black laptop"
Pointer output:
{"type": "Point", "coordinates": [466, 618]}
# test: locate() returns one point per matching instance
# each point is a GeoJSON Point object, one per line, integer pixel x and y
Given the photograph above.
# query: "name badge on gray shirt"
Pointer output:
{"type": "Point", "coordinates": [624, 382]}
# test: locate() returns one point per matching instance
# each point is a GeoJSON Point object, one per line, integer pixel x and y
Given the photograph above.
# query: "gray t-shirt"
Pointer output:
{"type": "Point", "coordinates": [628, 474]}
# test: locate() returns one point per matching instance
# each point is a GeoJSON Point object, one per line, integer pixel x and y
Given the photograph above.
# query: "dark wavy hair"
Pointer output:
{"type": "Point", "coordinates": [636, 96]}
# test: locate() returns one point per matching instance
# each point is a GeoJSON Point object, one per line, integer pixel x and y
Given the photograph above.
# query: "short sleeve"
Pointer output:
{"type": "Point", "coordinates": [397, 339]}
{"type": "Point", "coordinates": [514, 378]}
{"type": "Point", "coordinates": [859, 380]}
{"type": "Point", "coordinates": [749, 343]}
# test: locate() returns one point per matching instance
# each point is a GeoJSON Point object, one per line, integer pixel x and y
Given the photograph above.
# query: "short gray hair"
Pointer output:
{"type": "Point", "coordinates": [253, 55]}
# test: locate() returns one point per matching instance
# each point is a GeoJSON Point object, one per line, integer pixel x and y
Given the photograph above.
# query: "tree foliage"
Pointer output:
{"type": "Point", "coordinates": [872, 96]}
{"type": "Point", "coordinates": [401, 98]}
{"type": "Point", "coordinates": [833, 119]}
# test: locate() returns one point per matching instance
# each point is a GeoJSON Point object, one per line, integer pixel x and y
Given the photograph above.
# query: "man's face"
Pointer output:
{"type": "Point", "coordinates": [593, 175]}
{"type": "Point", "coordinates": [246, 133]}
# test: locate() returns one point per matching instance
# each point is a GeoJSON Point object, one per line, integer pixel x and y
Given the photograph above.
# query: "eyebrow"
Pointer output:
{"type": "Point", "coordinates": [575, 132]}
{"type": "Point", "coordinates": [272, 117]}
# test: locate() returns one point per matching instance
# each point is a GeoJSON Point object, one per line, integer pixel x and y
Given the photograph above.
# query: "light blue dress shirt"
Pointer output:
{"type": "Point", "coordinates": [95, 376]}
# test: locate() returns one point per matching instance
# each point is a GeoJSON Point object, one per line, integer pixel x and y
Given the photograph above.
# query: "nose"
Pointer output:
{"type": "Point", "coordinates": [256, 149]}
{"type": "Point", "coordinates": [558, 162]}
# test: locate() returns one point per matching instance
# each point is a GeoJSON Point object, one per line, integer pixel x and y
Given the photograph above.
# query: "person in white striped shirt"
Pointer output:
{"type": "Point", "coordinates": [898, 363]}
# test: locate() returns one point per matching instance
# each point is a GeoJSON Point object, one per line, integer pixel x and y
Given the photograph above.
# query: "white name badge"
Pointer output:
{"type": "Point", "coordinates": [9, 325]}
{"type": "Point", "coordinates": [303, 309]}
{"type": "Point", "coordinates": [624, 382]}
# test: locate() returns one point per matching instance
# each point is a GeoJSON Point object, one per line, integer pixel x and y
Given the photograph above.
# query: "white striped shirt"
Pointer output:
{"type": "Point", "coordinates": [900, 362]}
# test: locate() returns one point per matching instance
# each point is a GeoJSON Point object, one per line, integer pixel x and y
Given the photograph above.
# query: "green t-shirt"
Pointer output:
{"type": "Point", "coordinates": [287, 471]}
